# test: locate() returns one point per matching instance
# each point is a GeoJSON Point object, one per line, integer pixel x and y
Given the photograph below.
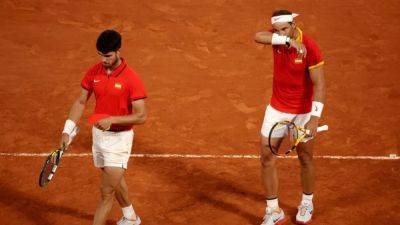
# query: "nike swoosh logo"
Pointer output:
{"type": "Point", "coordinates": [276, 220]}
{"type": "Point", "coordinates": [276, 18]}
{"type": "Point", "coordinates": [96, 81]}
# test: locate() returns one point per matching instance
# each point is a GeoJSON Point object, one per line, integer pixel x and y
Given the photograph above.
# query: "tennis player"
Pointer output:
{"type": "Point", "coordinates": [298, 96]}
{"type": "Point", "coordinates": [120, 94]}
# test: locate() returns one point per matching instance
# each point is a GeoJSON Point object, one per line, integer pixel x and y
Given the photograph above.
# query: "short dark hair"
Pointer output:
{"type": "Point", "coordinates": [281, 12]}
{"type": "Point", "coordinates": [108, 41]}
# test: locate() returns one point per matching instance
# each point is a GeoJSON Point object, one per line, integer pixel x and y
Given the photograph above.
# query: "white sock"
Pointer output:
{"type": "Point", "coordinates": [128, 212]}
{"type": "Point", "coordinates": [272, 203]}
{"type": "Point", "coordinates": [307, 198]}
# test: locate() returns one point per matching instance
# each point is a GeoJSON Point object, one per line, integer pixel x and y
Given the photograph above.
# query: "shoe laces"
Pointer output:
{"type": "Point", "coordinates": [304, 207]}
{"type": "Point", "coordinates": [269, 212]}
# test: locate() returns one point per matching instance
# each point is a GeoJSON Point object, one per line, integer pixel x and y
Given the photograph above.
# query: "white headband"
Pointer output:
{"type": "Point", "coordinates": [283, 18]}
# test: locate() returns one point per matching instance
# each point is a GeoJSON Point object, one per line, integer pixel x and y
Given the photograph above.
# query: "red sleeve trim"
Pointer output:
{"type": "Point", "coordinates": [138, 98]}
{"type": "Point", "coordinates": [86, 88]}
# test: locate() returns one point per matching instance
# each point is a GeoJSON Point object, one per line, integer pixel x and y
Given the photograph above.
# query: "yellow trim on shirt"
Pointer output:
{"type": "Point", "coordinates": [317, 65]}
{"type": "Point", "coordinates": [300, 37]}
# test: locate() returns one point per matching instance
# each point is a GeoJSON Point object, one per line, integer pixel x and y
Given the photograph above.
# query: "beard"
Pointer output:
{"type": "Point", "coordinates": [111, 64]}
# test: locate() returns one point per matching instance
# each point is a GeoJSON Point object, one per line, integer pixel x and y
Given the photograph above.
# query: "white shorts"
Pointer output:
{"type": "Point", "coordinates": [273, 116]}
{"type": "Point", "coordinates": [111, 149]}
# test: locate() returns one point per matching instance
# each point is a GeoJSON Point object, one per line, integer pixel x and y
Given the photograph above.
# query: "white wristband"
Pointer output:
{"type": "Point", "coordinates": [317, 108]}
{"type": "Point", "coordinates": [279, 40]}
{"type": "Point", "coordinates": [69, 127]}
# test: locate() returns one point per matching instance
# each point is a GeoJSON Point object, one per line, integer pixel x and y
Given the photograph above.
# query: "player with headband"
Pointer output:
{"type": "Point", "coordinates": [298, 96]}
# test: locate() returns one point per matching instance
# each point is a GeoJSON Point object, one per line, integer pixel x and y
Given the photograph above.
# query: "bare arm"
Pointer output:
{"type": "Point", "coordinates": [76, 111]}
{"type": "Point", "coordinates": [318, 79]}
{"type": "Point", "coordinates": [263, 37]}
{"type": "Point", "coordinates": [138, 116]}
{"type": "Point", "coordinates": [78, 106]}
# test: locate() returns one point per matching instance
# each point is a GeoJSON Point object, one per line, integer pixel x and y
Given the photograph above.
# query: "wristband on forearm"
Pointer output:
{"type": "Point", "coordinates": [317, 108]}
{"type": "Point", "coordinates": [69, 127]}
{"type": "Point", "coordinates": [279, 40]}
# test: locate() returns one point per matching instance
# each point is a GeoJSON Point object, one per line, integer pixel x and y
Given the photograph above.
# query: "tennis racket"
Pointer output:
{"type": "Point", "coordinates": [285, 136]}
{"type": "Point", "coordinates": [50, 166]}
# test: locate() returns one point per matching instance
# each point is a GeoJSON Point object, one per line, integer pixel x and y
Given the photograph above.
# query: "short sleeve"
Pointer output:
{"type": "Point", "coordinates": [136, 88]}
{"type": "Point", "coordinates": [314, 55]}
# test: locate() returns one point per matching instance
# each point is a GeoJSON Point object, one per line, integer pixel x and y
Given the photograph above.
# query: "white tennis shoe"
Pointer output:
{"type": "Point", "coordinates": [274, 217]}
{"type": "Point", "coordinates": [304, 212]}
{"type": "Point", "coordinates": [125, 221]}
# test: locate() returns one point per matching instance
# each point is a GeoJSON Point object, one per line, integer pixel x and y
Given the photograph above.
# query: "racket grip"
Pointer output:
{"type": "Point", "coordinates": [322, 128]}
{"type": "Point", "coordinates": [319, 129]}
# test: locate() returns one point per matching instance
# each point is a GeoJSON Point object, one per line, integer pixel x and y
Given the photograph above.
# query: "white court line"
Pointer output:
{"type": "Point", "coordinates": [244, 156]}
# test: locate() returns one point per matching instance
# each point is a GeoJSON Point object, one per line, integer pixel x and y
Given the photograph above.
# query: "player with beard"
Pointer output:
{"type": "Point", "coordinates": [120, 95]}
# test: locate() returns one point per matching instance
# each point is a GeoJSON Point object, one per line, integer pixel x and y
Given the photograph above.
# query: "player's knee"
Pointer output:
{"type": "Point", "coordinates": [306, 160]}
{"type": "Point", "coordinates": [267, 160]}
{"type": "Point", "coordinates": [107, 192]}
{"type": "Point", "coordinates": [120, 191]}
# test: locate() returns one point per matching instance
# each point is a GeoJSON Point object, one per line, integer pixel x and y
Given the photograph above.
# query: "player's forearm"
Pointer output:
{"type": "Point", "coordinates": [319, 93]}
{"type": "Point", "coordinates": [269, 38]}
{"type": "Point", "coordinates": [318, 80]}
{"type": "Point", "coordinates": [318, 101]}
{"type": "Point", "coordinates": [76, 110]}
{"type": "Point", "coordinates": [70, 129]}
{"type": "Point", "coordinates": [133, 119]}
{"type": "Point", "coordinates": [263, 37]}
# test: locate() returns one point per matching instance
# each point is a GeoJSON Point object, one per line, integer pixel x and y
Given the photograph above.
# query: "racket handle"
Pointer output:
{"type": "Point", "coordinates": [319, 129]}
{"type": "Point", "coordinates": [322, 128]}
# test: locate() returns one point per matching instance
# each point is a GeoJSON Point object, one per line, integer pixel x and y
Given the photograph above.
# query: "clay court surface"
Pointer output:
{"type": "Point", "coordinates": [208, 85]}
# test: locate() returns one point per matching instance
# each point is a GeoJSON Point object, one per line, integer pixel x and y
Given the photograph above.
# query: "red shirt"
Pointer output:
{"type": "Point", "coordinates": [114, 93]}
{"type": "Point", "coordinates": [292, 89]}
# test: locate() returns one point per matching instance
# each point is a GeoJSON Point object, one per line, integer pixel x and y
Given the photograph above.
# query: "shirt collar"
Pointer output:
{"type": "Point", "coordinates": [118, 70]}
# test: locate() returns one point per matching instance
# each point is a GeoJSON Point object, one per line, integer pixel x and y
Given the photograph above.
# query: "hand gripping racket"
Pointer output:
{"type": "Point", "coordinates": [284, 137]}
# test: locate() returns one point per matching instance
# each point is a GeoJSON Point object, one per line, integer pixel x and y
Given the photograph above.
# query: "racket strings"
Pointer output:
{"type": "Point", "coordinates": [47, 172]}
{"type": "Point", "coordinates": [49, 168]}
{"type": "Point", "coordinates": [292, 136]}
{"type": "Point", "coordinates": [283, 137]}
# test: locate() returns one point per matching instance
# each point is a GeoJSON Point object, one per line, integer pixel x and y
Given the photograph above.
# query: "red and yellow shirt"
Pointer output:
{"type": "Point", "coordinates": [292, 89]}
{"type": "Point", "coordinates": [114, 93]}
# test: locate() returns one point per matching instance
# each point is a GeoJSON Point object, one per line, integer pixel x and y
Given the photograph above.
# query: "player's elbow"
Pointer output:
{"type": "Point", "coordinates": [142, 118]}
{"type": "Point", "coordinates": [267, 161]}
